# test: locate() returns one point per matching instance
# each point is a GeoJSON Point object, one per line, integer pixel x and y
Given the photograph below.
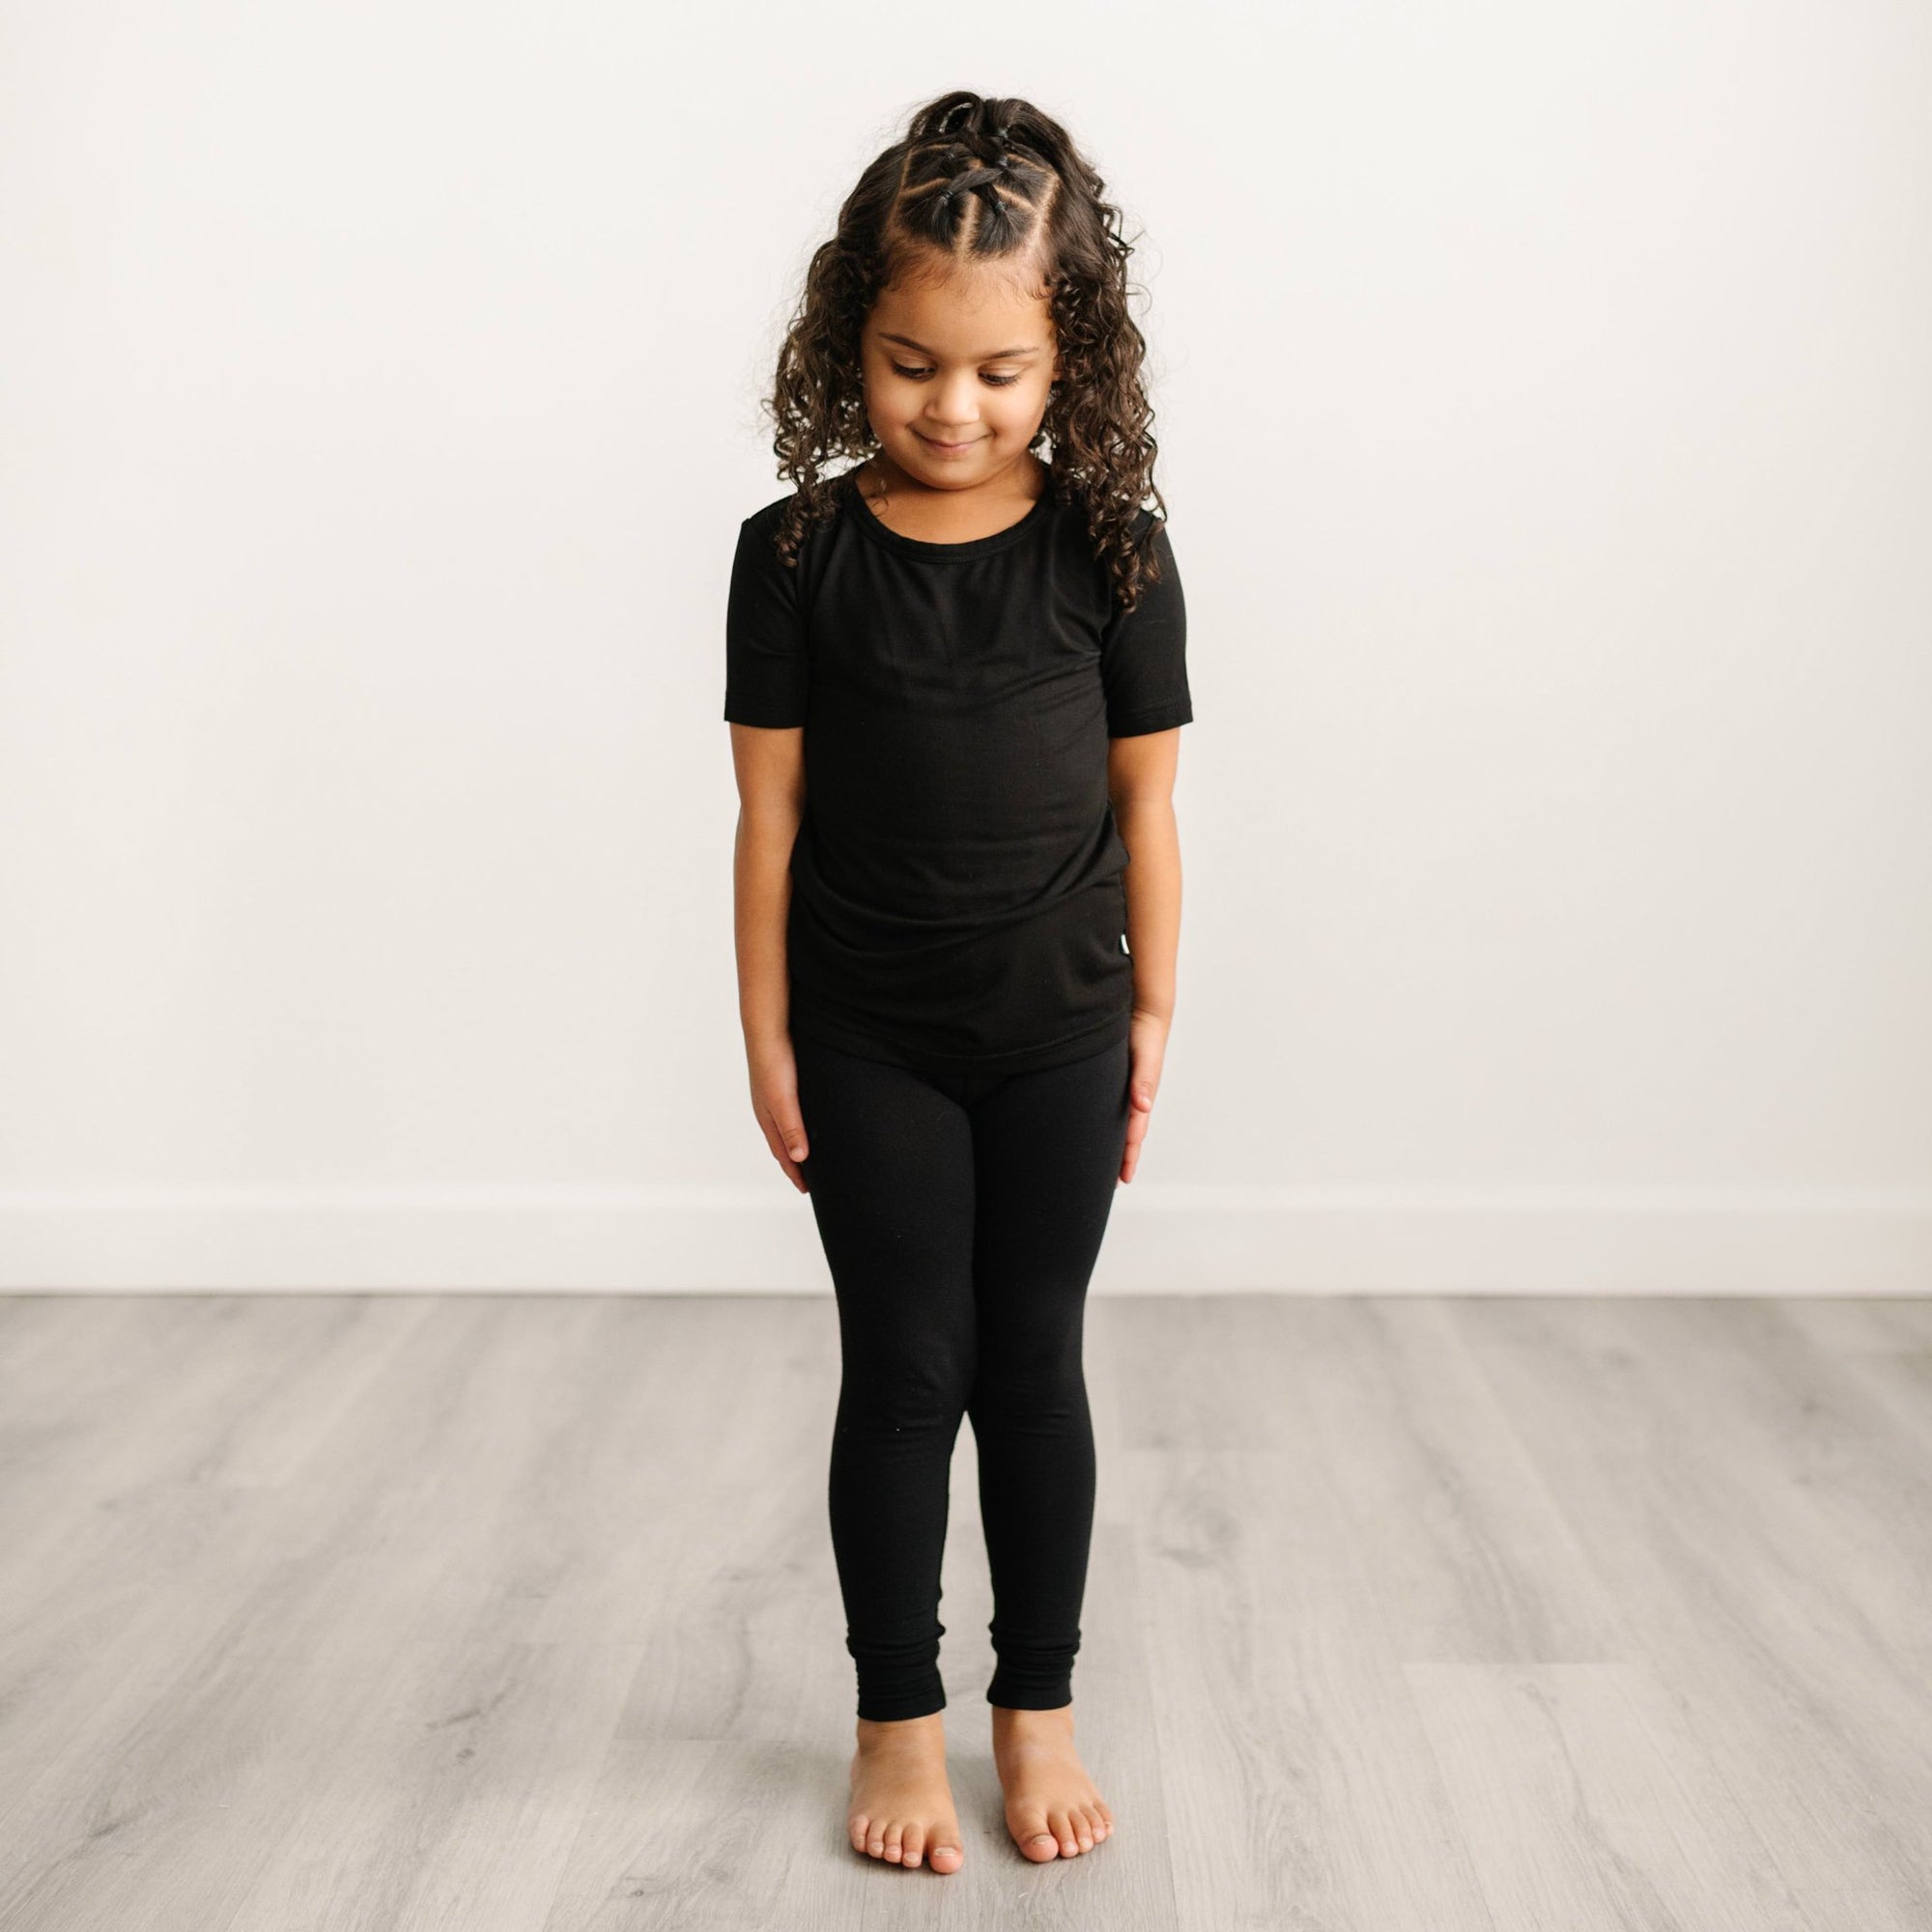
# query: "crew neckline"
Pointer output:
{"type": "Point", "coordinates": [946, 552]}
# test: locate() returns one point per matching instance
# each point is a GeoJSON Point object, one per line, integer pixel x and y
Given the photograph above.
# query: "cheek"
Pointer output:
{"type": "Point", "coordinates": [1020, 410]}
{"type": "Point", "coordinates": [890, 412]}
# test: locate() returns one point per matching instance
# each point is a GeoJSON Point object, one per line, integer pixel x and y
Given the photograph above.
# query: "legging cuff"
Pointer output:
{"type": "Point", "coordinates": [1019, 1693]}
{"type": "Point", "coordinates": [878, 1708]}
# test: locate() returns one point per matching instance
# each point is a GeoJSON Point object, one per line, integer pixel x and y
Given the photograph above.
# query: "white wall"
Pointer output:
{"type": "Point", "coordinates": [1546, 428]}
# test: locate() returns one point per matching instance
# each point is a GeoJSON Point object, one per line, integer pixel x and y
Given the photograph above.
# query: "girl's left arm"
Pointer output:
{"type": "Point", "coordinates": [1140, 781]}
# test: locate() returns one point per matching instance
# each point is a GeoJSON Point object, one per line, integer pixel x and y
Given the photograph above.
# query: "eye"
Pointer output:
{"type": "Point", "coordinates": [918, 374]}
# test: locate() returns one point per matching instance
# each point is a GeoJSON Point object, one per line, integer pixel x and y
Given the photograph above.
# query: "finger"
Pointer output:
{"type": "Point", "coordinates": [786, 1129]}
{"type": "Point", "coordinates": [784, 1135]}
{"type": "Point", "coordinates": [1143, 1083]}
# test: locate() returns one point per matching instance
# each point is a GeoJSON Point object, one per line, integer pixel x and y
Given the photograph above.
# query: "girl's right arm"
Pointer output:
{"type": "Point", "coordinates": [770, 768]}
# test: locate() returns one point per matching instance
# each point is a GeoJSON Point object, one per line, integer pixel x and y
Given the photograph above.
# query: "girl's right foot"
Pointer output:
{"type": "Point", "coordinates": [902, 1803]}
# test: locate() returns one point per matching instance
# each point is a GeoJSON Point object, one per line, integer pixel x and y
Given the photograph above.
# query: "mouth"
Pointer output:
{"type": "Point", "coordinates": [947, 448]}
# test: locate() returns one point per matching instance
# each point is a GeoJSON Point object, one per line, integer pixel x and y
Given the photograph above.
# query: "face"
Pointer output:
{"type": "Point", "coordinates": [957, 372]}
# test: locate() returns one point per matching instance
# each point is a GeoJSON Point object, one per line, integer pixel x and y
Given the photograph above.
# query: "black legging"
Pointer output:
{"type": "Point", "coordinates": [961, 1216]}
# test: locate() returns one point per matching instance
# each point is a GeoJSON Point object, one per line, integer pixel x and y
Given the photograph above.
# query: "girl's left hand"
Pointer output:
{"type": "Point", "coordinates": [1147, 1048]}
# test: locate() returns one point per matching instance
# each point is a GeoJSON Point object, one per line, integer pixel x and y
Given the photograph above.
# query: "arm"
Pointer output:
{"type": "Point", "coordinates": [1140, 781]}
{"type": "Point", "coordinates": [770, 768]}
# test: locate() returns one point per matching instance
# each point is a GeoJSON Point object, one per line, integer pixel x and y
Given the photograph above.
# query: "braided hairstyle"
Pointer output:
{"type": "Point", "coordinates": [975, 179]}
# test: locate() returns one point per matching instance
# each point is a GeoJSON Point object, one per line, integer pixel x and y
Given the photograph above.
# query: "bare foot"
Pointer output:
{"type": "Point", "coordinates": [1053, 1809]}
{"type": "Point", "coordinates": [902, 1804]}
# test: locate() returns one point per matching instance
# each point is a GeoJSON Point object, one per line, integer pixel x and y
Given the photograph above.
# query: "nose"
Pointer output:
{"type": "Point", "coordinates": [944, 425]}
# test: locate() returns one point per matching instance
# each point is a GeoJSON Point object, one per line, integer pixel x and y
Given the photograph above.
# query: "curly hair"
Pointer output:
{"type": "Point", "coordinates": [975, 179]}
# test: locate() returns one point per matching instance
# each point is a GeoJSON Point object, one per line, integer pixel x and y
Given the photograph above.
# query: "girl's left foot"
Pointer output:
{"type": "Point", "coordinates": [1053, 1809]}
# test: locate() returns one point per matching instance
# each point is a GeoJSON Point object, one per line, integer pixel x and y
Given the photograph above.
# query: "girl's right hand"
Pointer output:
{"type": "Point", "coordinates": [775, 1103]}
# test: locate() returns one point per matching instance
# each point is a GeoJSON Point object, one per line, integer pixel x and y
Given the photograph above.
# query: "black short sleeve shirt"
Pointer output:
{"type": "Point", "coordinates": [957, 902]}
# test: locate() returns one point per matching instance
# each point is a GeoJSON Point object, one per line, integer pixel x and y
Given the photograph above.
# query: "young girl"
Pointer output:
{"type": "Point", "coordinates": [955, 677]}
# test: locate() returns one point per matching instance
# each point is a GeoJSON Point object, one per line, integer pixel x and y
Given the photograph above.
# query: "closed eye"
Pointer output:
{"type": "Point", "coordinates": [918, 374]}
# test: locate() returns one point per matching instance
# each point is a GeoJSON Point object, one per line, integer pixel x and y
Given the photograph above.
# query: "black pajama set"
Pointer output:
{"type": "Point", "coordinates": [960, 995]}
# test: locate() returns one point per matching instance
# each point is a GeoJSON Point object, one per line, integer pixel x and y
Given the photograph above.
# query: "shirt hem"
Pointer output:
{"type": "Point", "coordinates": [1094, 1039]}
{"type": "Point", "coordinates": [1152, 717]}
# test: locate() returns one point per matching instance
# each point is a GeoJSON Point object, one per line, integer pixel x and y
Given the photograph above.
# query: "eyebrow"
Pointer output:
{"type": "Point", "coordinates": [997, 355]}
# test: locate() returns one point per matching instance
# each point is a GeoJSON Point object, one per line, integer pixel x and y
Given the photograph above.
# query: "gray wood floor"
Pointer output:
{"type": "Point", "coordinates": [518, 1614]}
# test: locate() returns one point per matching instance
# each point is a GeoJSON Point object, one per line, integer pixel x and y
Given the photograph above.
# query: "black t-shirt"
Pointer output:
{"type": "Point", "coordinates": [957, 902]}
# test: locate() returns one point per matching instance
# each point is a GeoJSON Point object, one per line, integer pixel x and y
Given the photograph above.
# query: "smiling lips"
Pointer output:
{"type": "Point", "coordinates": [946, 449]}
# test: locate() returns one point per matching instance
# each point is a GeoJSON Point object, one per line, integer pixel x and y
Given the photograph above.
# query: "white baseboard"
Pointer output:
{"type": "Point", "coordinates": [1162, 1240]}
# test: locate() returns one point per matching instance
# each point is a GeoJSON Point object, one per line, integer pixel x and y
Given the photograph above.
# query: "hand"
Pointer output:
{"type": "Point", "coordinates": [1147, 1048]}
{"type": "Point", "coordinates": [774, 1103]}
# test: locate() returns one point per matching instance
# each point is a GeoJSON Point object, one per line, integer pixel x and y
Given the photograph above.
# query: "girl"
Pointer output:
{"type": "Point", "coordinates": [955, 677]}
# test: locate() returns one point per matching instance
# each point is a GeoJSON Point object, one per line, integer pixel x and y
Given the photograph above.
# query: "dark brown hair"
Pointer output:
{"type": "Point", "coordinates": [975, 180]}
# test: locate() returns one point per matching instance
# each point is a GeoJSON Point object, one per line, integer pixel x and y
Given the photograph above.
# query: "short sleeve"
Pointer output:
{"type": "Point", "coordinates": [1144, 656]}
{"type": "Point", "coordinates": [765, 659]}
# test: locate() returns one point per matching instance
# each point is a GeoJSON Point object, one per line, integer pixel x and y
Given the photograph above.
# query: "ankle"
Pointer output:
{"type": "Point", "coordinates": [890, 1733]}
{"type": "Point", "coordinates": [1012, 1718]}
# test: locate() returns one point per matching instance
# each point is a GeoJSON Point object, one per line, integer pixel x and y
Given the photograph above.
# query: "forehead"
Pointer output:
{"type": "Point", "coordinates": [966, 310]}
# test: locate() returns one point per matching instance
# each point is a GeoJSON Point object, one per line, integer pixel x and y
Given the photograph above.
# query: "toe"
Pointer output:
{"type": "Point", "coordinates": [1057, 1824]}
{"type": "Point", "coordinates": [946, 1856]}
{"type": "Point", "coordinates": [856, 1829]}
{"type": "Point", "coordinates": [1035, 1839]}
{"type": "Point", "coordinates": [912, 1844]}
{"type": "Point", "coordinates": [894, 1843]}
